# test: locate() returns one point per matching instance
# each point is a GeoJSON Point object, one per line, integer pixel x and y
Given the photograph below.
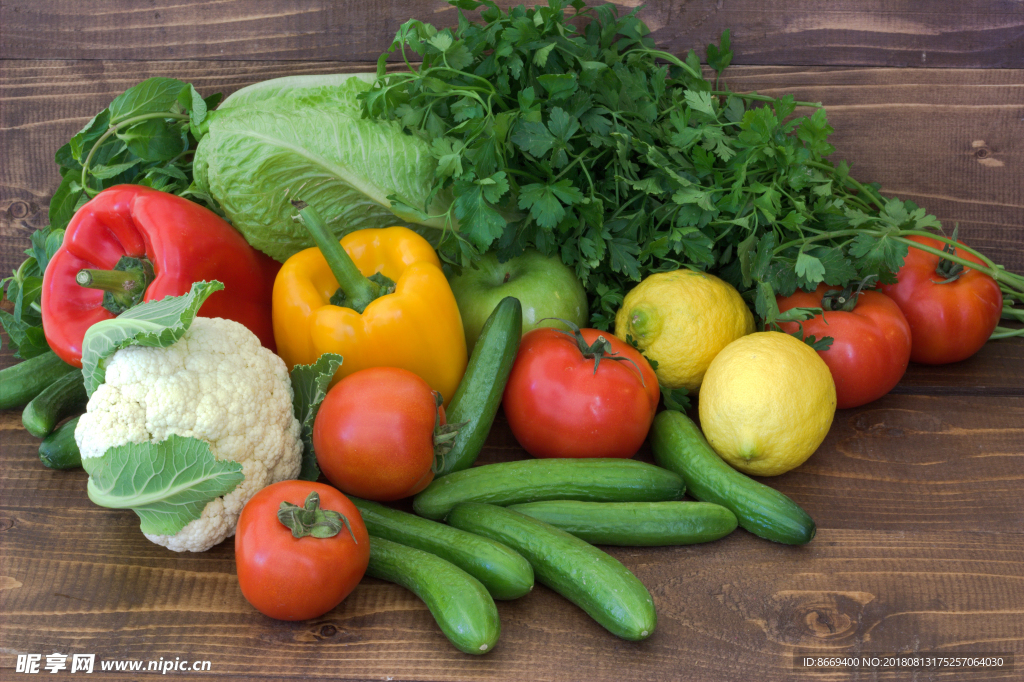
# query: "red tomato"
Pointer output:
{"type": "Point", "coordinates": [293, 578]}
{"type": "Point", "coordinates": [871, 343]}
{"type": "Point", "coordinates": [949, 321]}
{"type": "Point", "coordinates": [374, 434]}
{"type": "Point", "coordinates": [558, 406]}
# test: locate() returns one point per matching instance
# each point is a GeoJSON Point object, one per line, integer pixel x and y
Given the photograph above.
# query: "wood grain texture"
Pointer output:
{"type": "Point", "coordinates": [920, 544]}
{"type": "Point", "coordinates": [950, 139]}
{"type": "Point", "coordinates": [737, 609]}
{"type": "Point", "coordinates": [940, 33]}
{"type": "Point", "coordinates": [920, 548]}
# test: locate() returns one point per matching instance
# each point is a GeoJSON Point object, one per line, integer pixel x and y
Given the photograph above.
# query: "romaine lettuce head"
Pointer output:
{"type": "Point", "coordinates": [303, 138]}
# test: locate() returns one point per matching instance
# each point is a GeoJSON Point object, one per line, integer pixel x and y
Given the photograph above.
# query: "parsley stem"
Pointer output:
{"type": "Point", "coordinates": [993, 271]}
{"type": "Point", "coordinates": [1005, 333]}
{"type": "Point", "coordinates": [868, 192]}
{"type": "Point", "coordinates": [762, 98]}
{"type": "Point", "coordinates": [989, 268]}
{"type": "Point", "coordinates": [942, 238]}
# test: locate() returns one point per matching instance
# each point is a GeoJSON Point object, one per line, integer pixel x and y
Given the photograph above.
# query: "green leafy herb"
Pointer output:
{"type": "Point", "coordinates": [168, 484]}
{"type": "Point", "coordinates": [146, 136]}
{"type": "Point", "coordinates": [310, 383]}
{"type": "Point", "coordinates": [156, 324]}
{"type": "Point", "coordinates": [24, 326]}
{"type": "Point", "coordinates": [624, 160]}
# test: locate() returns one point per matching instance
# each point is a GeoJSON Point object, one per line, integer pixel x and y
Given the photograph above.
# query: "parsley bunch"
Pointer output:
{"type": "Point", "coordinates": [561, 128]}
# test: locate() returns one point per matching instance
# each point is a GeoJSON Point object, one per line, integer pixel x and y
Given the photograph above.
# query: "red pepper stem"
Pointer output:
{"type": "Point", "coordinates": [119, 282]}
{"type": "Point", "coordinates": [359, 290]}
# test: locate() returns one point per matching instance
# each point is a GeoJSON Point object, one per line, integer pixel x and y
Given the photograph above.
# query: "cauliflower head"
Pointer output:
{"type": "Point", "coordinates": [217, 383]}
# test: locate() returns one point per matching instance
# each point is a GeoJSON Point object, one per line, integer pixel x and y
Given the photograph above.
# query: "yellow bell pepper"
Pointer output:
{"type": "Point", "coordinates": [416, 327]}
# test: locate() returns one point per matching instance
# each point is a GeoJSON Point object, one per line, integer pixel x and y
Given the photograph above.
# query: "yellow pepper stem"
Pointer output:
{"type": "Point", "coordinates": [359, 291]}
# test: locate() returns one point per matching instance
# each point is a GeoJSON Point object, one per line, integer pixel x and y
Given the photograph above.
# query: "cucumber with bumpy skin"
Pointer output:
{"type": "Point", "coordinates": [63, 397]}
{"type": "Point", "coordinates": [679, 445]}
{"type": "Point", "coordinates": [503, 571]}
{"type": "Point", "coordinates": [478, 397]}
{"type": "Point", "coordinates": [531, 480]}
{"type": "Point", "coordinates": [635, 524]}
{"type": "Point", "coordinates": [59, 450]}
{"type": "Point", "coordinates": [459, 603]}
{"type": "Point", "coordinates": [593, 580]}
{"type": "Point", "coordinates": [22, 382]}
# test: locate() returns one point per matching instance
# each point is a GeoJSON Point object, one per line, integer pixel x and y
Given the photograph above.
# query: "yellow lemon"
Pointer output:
{"type": "Point", "coordinates": [766, 403]}
{"type": "Point", "coordinates": [682, 319]}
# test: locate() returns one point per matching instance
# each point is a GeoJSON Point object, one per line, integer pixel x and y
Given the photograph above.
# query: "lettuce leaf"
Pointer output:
{"type": "Point", "coordinates": [304, 138]}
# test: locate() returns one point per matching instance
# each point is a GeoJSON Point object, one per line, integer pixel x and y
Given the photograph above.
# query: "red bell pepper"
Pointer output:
{"type": "Point", "coordinates": [131, 244]}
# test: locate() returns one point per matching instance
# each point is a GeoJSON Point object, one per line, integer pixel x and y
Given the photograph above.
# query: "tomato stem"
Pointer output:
{"type": "Point", "coordinates": [444, 434]}
{"type": "Point", "coordinates": [310, 520]}
{"type": "Point", "coordinates": [601, 349]}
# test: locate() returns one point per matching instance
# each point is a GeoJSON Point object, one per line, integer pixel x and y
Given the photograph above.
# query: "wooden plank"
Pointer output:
{"type": "Point", "coordinates": [949, 139]}
{"type": "Point", "coordinates": [942, 33]}
{"type": "Point", "coordinates": [904, 462]}
{"type": "Point", "coordinates": [737, 609]}
{"type": "Point", "coordinates": [995, 371]}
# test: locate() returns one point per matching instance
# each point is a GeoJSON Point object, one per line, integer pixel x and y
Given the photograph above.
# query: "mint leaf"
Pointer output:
{"type": "Point", "coordinates": [309, 385]}
{"type": "Point", "coordinates": [168, 484]}
{"type": "Point", "coordinates": [156, 324]}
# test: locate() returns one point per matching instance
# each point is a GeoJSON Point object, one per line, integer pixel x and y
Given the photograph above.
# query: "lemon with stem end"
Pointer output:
{"type": "Point", "coordinates": [682, 319]}
{"type": "Point", "coordinates": [766, 403]}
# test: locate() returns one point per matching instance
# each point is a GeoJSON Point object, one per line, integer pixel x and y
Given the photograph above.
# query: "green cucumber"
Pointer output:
{"type": "Point", "coordinates": [478, 397]}
{"type": "Point", "coordinates": [59, 450]}
{"type": "Point", "coordinates": [22, 382]}
{"type": "Point", "coordinates": [635, 524]}
{"type": "Point", "coordinates": [531, 480]}
{"type": "Point", "coordinates": [504, 572]}
{"type": "Point", "coordinates": [459, 603]}
{"type": "Point", "coordinates": [583, 574]}
{"type": "Point", "coordinates": [63, 397]}
{"type": "Point", "coordinates": [679, 445]}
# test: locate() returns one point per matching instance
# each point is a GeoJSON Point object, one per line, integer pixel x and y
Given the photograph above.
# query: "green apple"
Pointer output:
{"type": "Point", "coordinates": [544, 285]}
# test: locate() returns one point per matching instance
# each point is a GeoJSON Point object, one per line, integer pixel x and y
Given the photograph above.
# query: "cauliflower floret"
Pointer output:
{"type": "Point", "coordinates": [217, 383]}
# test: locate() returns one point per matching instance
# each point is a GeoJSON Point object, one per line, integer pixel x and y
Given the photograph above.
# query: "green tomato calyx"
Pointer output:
{"type": "Point", "coordinates": [311, 520]}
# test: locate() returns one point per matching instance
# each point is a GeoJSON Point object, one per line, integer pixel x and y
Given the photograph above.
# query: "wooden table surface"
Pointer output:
{"type": "Point", "coordinates": [917, 497]}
